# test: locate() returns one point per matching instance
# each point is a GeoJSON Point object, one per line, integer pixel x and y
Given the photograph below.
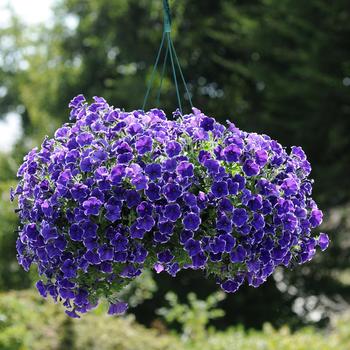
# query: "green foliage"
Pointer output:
{"type": "Point", "coordinates": [139, 290]}
{"type": "Point", "coordinates": [272, 339]}
{"type": "Point", "coordinates": [195, 316]}
{"type": "Point", "coordinates": [28, 322]}
{"type": "Point", "coordinates": [11, 274]}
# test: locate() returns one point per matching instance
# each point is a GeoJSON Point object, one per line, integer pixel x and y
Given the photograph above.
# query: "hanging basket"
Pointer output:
{"type": "Point", "coordinates": [115, 193]}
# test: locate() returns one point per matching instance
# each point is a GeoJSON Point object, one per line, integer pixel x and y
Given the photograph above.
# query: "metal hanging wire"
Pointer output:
{"type": "Point", "coordinates": [174, 63]}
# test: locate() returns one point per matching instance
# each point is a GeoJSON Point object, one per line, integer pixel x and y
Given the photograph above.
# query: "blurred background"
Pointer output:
{"type": "Point", "coordinates": [280, 67]}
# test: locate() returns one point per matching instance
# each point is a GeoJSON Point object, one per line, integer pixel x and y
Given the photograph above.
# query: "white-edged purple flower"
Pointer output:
{"type": "Point", "coordinates": [172, 212]}
{"type": "Point", "coordinates": [191, 222]}
{"type": "Point", "coordinates": [173, 149]}
{"type": "Point", "coordinates": [118, 308]}
{"type": "Point", "coordinates": [251, 168]}
{"type": "Point", "coordinates": [239, 217]}
{"type": "Point", "coordinates": [144, 144]}
{"type": "Point", "coordinates": [154, 171]}
{"type": "Point", "coordinates": [185, 169]}
{"type": "Point", "coordinates": [323, 241]}
{"type": "Point", "coordinates": [92, 206]}
{"type": "Point", "coordinates": [232, 153]}
{"type": "Point", "coordinates": [219, 189]}
{"type": "Point", "coordinates": [172, 191]}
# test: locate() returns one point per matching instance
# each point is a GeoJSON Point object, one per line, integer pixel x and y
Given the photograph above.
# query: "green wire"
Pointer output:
{"type": "Point", "coordinates": [167, 16]}
{"type": "Point", "coordinates": [162, 76]}
{"type": "Point", "coordinates": [170, 51]}
{"type": "Point", "coordinates": [181, 74]}
{"type": "Point", "coordinates": [174, 73]}
{"type": "Point", "coordinates": [153, 72]}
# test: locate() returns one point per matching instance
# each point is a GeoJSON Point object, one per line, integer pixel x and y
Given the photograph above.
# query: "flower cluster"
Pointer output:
{"type": "Point", "coordinates": [117, 192]}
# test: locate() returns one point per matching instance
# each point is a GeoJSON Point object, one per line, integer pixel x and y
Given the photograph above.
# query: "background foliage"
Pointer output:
{"type": "Point", "coordinates": [28, 323]}
{"type": "Point", "coordinates": [279, 67]}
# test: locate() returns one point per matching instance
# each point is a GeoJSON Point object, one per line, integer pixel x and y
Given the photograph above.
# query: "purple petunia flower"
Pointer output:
{"type": "Point", "coordinates": [212, 165]}
{"type": "Point", "coordinates": [172, 212]}
{"type": "Point", "coordinates": [191, 222]}
{"type": "Point", "coordinates": [261, 157]}
{"type": "Point", "coordinates": [219, 189]}
{"type": "Point", "coordinates": [239, 217]}
{"type": "Point", "coordinates": [154, 171]}
{"type": "Point", "coordinates": [60, 243]}
{"type": "Point", "coordinates": [230, 286]}
{"type": "Point", "coordinates": [316, 218]}
{"type": "Point", "coordinates": [158, 267]}
{"type": "Point", "coordinates": [89, 228]}
{"type": "Point", "coordinates": [207, 123]}
{"type": "Point", "coordinates": [199, 260]}
{"type": "Point", "coordinates": [144, 208]}
{"type": "Point", "coordinates": [136, 233]}
{"type": "Point", "coordinates": [165, 257]}
{"type": "Point", "coordinates": [297, 151]}
{"type": "Point", "coordinates": [118, 308]}
{"type": "Point", "coordinates": [132, 198]}
{"type": "Point", "coordinates": [72, 313]}
{"type": "Point", "coordinates": [49, 232]}
{"type": "Point", "coordinates": [144, 144]}
{"type": "Point", "coordinates": [185, 169]}
{"type": "Point", "coordinates": [77, 101]}
{"type": "Point", "coordinates": [172, 192]}
{"type": "Point", "coordinates": [232, 153]}
{"type": "Point", "coordinates": [166, 227]}
{"type": "Point", "coordinates": [86, 164]}
{"type": "Point", "coordinates": [185, 236]}
{"type": "Point", "coordinates": [146, 223]}
{"type": "Point", "coordinates": [105, 253]}
{"type": "Point", "coordinates": [173, 149]}
{"type": "Point", "coordinates": [170, 164]}
{"type": "Point", "coordinates": [140, 182]}
{"type": "Point", "coordinates": [92, 257]}
{"type": "Point", "coordinates": [69, 269]}
{"type": "Point", "coordinates": [193, 247]}
{"type": "Point", "coordinates": [76, 232]}
{"type": "Point", "coordinates": [224, 224]}
{"type": "Point", "coordinates": [79, 191]}
{"type": "Point", "coordinates": [289, 222]}
{"type": "Point", "coordinates": [125, 158]}
{"type": "Point", "coordinates": [123, 147]}
{"type": "Point", "coordinates": [290, 186]}
{"type": "Point", "coordinates": [120, 243]}
{"type": "Point", "coordinates": [153, 192]}
{"type": "Point", "coordinates": [190, 199]}
{"type": "Point", "coordinates": [117, 174]}
{"type": "Point", "coordinates": [251, 168]}
{"type": "Point", "coordinates": [238, 255]}
{"type": "Point", "coordinates": [41, 288]}
{"type": "Point", "coordinates": [62, 133]}
{"type": "Point", "coordinates": [84, 139]}
{"type": "Point", "coordinates": [113, 212]}
{"type": "Point", "coordinates": [230, 242]}
{"type": "Point", "coordinates": [92, 206]}
{"type": "Point", "coordinates": [217, 245]}
{"type": "Point", "coordinates": [258, 221]}
{"type": "Point", "coordinates": [323, 241]}
{"type": "Point", "coordinates": [226, 205]}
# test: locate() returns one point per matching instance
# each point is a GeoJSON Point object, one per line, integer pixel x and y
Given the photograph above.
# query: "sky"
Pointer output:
{"type": "Point", "coordinates": [31, 12]}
